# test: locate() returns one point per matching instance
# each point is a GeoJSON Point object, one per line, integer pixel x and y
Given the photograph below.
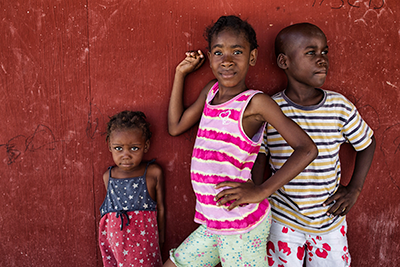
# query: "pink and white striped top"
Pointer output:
{"type": "Point", "coordinates": [223, 152]}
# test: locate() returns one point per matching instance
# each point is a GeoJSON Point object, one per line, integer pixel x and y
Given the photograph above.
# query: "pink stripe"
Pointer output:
{"type": "Point", "coordinates": [215, 113]}
{"type": "Point", "coordinates": [214, 179]}
{"type": "Point", "coordinates": [226, 137]}
{"type": "Point", "coordinates": [215, 167]}
{"type": "Point", "coordinates": [243, 97]}
{"type": "Point", "coordinates": [239, 224]}
{"type": "Point", "coordinates": [209, 200]}
{"type": "Point", "coordinates": [220, 157]}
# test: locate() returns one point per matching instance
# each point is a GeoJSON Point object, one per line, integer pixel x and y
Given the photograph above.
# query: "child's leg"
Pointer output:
{"type": "Point", "coordinates": [247, 249]}
{"type": "Point", "coordinates": [169, 263]}
{"type": "Point", "coordinates": [199, 249]}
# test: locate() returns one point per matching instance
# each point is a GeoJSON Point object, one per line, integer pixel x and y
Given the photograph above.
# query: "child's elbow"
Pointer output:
{"type": "Point", "coordinates": [313, 151]}
{"type": "Point", "coordinates": [173, 132]}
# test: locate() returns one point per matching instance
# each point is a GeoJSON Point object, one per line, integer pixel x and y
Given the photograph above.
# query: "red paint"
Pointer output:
{"type": "Point", "coordinates": [326, 247]}
{"type": "Point", "coordinates": [270, 247]}
{"type": "Point", "coordinates": [343, 230]}
{"type": "Point", "coordinates": [283, 246]}
{"type": "Point", "coordinates": [321, 253]}
{"type": "Point", "coordinates": [66, 66]}
{"type": "Point", "coordinates": [300, 252]}
{"type": "Point", "coordinates": [282, 260]}
{"type": "Point", "coordinates": [309, 246]}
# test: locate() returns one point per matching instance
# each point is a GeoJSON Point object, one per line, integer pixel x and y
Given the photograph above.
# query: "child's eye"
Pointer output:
{"type": "Point", "coordinates": [118, 148]}
{"type": "Point", "coordinates": [237, 52]}
{"type": "Point", "coordinates": [325, 52]}
{"type": "Point", "coordinates": [135, 148]}
{"type": "Point", "coordinates": [310, 53]}
{"type": "Point", "coordinates": [218, 53]}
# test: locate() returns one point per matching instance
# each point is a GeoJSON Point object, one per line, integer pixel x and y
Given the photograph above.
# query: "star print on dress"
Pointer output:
{"type": "Point", "coordinates": [136, 244]}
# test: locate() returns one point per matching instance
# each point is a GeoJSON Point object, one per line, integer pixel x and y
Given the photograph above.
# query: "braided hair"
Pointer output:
{"type": "Point", "coordinates": [129, 120]}
{"type": "Point", "coordinates": [232, 23]}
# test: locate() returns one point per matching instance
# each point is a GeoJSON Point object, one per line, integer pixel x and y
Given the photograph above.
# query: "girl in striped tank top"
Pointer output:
{"type": "Point", "coordinates": [233, 228]}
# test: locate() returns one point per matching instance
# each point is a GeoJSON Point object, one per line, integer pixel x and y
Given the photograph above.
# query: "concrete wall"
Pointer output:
{"type": "Point", "coordinates": [65, 66]}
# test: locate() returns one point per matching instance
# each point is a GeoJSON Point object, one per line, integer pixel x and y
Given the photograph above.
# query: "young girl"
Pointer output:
{"type": "Point", "coordinates": [233, 117]}
{"type": "Point", "coordinates": [132, 223]}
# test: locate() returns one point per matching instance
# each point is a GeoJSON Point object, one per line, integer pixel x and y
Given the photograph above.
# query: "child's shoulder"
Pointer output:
{"type": "Point", "coordinates": [154, 169]}
{"type": "Point", "coordinates": [211, 85]}
{"type": "Point", "coordinates": [332, 96]}
{"type": "Point", "coordinates": [261, 102]}
{"type": "Point", "coordinates": [106, 175]}
{"type": "Point", "coordinates": [107, 172]}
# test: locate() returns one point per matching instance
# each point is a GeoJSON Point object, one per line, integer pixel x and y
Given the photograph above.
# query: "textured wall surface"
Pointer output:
{"type": "Point", "coordinates": [65, 66]}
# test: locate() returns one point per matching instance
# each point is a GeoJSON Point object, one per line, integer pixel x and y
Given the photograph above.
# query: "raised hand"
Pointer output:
{"type": "Point", "coordinates": [193, 61]}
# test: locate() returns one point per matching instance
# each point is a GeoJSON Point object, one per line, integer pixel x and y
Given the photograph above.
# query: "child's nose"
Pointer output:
{"type": "Point", "coordinates": [322, 60]}
{"type": "Point", "coordinates": [125, 154]}
{"type": "Point", "coordinates": [227, 61]}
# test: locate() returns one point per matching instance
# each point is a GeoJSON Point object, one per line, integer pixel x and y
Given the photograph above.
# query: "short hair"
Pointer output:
{"type": "Point", "coordinates": [127, 120]}
{"type": "Point", "coordinates": [281, 38]}
{"type": "Point", "coordinates": [234, 23]}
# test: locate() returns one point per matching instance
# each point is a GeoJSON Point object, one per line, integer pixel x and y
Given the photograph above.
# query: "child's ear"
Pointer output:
{"type": "Point", "coordinates": [209, 56]}
{"type": "Point", "coordinates": [253, 57]}
{"type": "Point", "coordinates": [146, 146]}
{"type": "Point", "coordinates": [281, 60]}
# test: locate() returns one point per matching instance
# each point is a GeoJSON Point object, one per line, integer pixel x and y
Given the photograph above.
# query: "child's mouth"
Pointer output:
{"type": "Point", "coordinates": [125, 165]}
{"type": "Point", "coordinates": [227, 74]}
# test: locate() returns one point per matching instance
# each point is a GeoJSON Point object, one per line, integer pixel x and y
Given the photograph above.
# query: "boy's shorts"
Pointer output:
{"type": "Point", "coordinates": [202, 248]}
{"type": "Point", "coordinates": [289, 248]}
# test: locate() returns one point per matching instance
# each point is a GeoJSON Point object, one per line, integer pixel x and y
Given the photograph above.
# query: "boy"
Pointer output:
{"type": "Point", "coordinates": [309, 212]}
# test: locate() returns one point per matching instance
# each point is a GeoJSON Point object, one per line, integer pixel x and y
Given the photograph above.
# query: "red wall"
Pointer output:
{"type": "Point", "coordinates": [68, 65]}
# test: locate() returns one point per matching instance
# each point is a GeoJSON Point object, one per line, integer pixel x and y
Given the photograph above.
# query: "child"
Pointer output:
{"type": "Point", "coordinates": [228, 140]}
{"type": "Point", "coordinates": [309, 212]}
{"type": "Point", "coordinates": [133, 207]}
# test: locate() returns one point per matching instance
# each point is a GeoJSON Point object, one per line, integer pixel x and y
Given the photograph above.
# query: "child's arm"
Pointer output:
{"type": "Point", "coordinates": [263, 108]}
{"type": "Point", "coordinates": [258, 171]}
{"type": "Point", "coordinates": [346, 196]}
{"type": "Point", "coordinates": [160, 206]}
{"type": "Point", "coordinates": [179, 118]}
{"type": "Point", "coordinates": [156, 191]}
{"type": "Point", "coordinates": [105, 179]}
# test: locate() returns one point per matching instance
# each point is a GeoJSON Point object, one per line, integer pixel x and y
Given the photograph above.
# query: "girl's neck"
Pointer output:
{"type": "Point", "coordinates": [119, 173]}
{"type": "Point", "coordinates": [225, 94]}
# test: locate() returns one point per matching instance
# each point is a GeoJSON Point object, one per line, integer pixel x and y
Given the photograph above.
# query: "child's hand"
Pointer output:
{"type": "Point", "coordinates": [242, 193]}
{"type": "Point", "coordinates": [344, 198]}
{"type": "Point", "coordinates": [192, 62]}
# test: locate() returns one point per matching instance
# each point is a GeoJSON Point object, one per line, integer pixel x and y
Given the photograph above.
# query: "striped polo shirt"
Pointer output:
{"type": "Point", "coordinates": [223, 152]}
{"type": "Point", "coordinates": [332, 122]}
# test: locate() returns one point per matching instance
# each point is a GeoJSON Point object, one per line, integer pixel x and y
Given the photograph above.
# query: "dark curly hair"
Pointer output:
{"type": "Point", "coordinates": [233, 23]}
{"type": "Point", "coordinates": [129, 120]}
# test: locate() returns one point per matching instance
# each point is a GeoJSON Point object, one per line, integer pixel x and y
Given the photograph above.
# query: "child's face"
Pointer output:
{"type": "Point", "coordinates": [307, 59]}
{"type": "Point", "coordinates": [127, 148]}
{"type": "Point", "coordinates": [230, 58]}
